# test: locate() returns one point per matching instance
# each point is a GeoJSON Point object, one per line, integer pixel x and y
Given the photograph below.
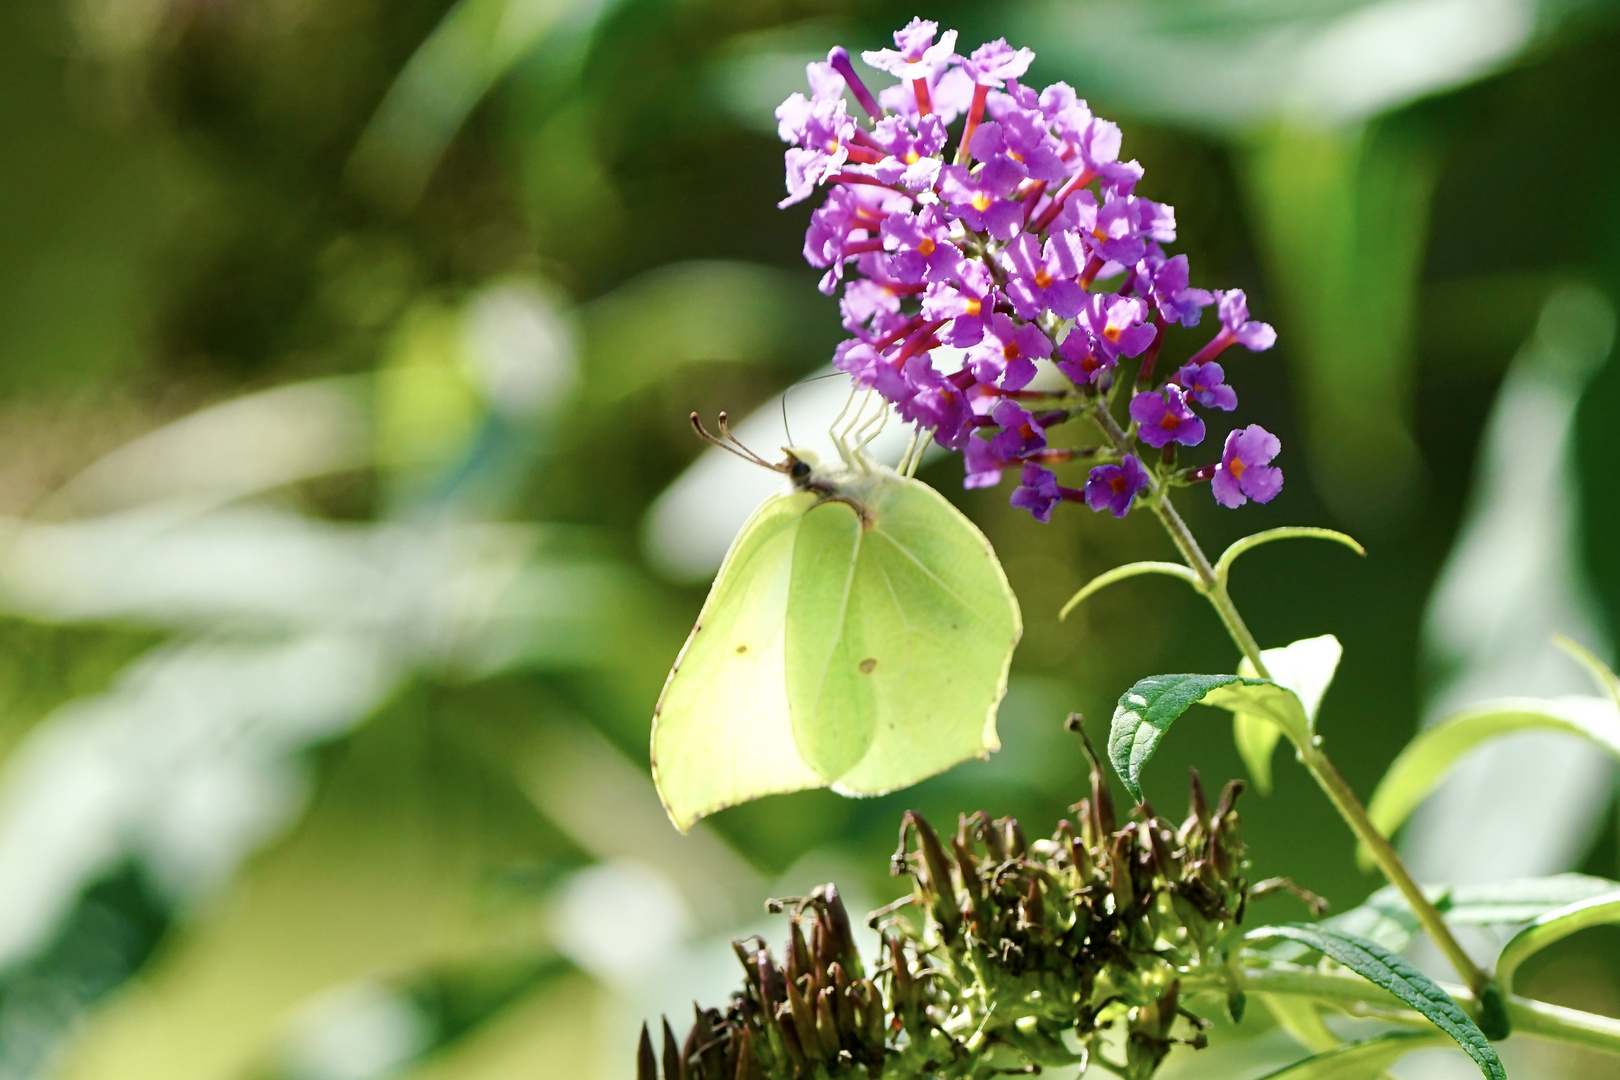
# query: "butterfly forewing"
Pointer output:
{"type": "Point", "coordinates": [721, 731]}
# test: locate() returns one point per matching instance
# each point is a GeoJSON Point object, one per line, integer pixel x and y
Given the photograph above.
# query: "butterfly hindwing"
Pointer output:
{"type": "Point", "coordinates": [936, 601]}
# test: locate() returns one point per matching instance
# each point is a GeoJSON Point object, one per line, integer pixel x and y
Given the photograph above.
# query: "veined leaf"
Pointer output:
{"type": "Point", "coordinates": [1383, 968]}
{"type": "Point", "coordinates": [1359, 1060]}
{"type": "Point", "coordinates": [1427, 758]}
{"type": "Point", "coordinates": [1552, 927]}
{"type": "Point", "coordinates": [1146, 711]}
{"type": "Point", "coordinates": [1306, 667]}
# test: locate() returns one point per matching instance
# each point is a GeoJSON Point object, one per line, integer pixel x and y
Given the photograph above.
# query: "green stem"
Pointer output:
{"type": "Point", "coordinates": [1333, 784]}
{"type": "Point", "coordinates": [1528, 1016]}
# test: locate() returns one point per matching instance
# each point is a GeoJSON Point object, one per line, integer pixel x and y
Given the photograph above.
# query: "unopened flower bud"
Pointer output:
{"type": "Point", "coordinates": [1119, 872]}
{"type": "Point", "coordinates": [827, 1022]}
{"type": "Point", "coordinates": [1017, 846]}
{"type": "Point", "coordinates": [803, 1016]}
{"type": "Point", "coordinates": [938, 889]}
{"type": "Point", "coordinates": [646, 1060]}
{"type": "Point", "coordinates": [674, 1067]}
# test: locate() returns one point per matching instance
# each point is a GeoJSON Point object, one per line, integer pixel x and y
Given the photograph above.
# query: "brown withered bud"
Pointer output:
{"type": "Point", "coordinates": [1158, 837]}
{"type": "Point", "coordinates": [1079, 855]}
{"type": "Point", "coordinates": [843, 1004]}
{"type": "Point", "coordinates": [939, 888]}
{"type": "Point", "coordinates": [646, 1060]}
{"type": "Point", "coordinates": [788, 1031]}
{"type": "Point", "coordinates": [746, 958]}
{"type": "Point", "coordinates": [699, 1035]}
{"type": "Point", "coordinates": [798, 961]}
{"type": "Point", "coordinates": [1229, 798]}
{"type": "Point", "coordinates": [1121, 855]}
{"type": "Point", "coordinates": [821, 947]}
{"type": "Point", "coordinates": [1017, 846]}
{"type": "Point", "coordinates": [769, 979]}
{"type": "Point", "coordinates": [803, 1016]}
{"type": "Point", "coordinates": [747, 1063]}
{"type": "Point", "coordinates": [827, 1022]}
{"type": "Point", "coordinates": [989, 835]}
{"type": "Point", "coordinates": [1197, 801]}
{"type": "Point", "coordinates": [876, 1018]}
{"type": "Point", "coordinates": [900, 970]}
{"type": "Point", "coordinates": [674, 1064]}
{"type": "Point", "coordinates": [968, 867]}
{"type": "Point", "coordinates": [1086, 822]}
{"type": "Point", "coordinates": [831, 907]}
{"type": "Point", "coordinates": [1032, 909]}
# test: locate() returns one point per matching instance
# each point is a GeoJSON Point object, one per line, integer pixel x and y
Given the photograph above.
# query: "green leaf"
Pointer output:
{"type": "Point", "coordinates": [1359, 1060]}
{"type": "Point", "coordinates": [1552, 927]}
{"type": "Point", "coordinates": [1146, 711]}
{"type": "Point", "coordinates": [1383, 968]}
{"type": "Point", "coordinates": [1503, 903]}
{"type": "Point", "coordinates": [1300, 1017]}
{"type": "Point", "coordinates": [1386, 918]}
{"type": "Point", "coordinates": [1223, 565]}
{"type": "Point", "coordinates": [1427, 758]}
{"type": "Point", "coordinates": [1306, 667]}
{"type": "Point", "coordinates": [1120, 573]}
{"type": "Point", "coordinates": [1601, 675]}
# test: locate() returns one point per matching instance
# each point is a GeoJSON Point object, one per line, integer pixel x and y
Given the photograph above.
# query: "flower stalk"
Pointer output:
{"type": "Point", "coordinates": [1311, 755]}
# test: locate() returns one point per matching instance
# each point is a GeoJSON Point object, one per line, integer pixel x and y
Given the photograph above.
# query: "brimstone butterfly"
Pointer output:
{"type": "Point", "coordinates": [857, 637]}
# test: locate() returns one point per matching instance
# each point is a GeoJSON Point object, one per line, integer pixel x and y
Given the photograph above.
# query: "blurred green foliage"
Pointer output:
{"type": "Point", "coordinates": [499, 249]}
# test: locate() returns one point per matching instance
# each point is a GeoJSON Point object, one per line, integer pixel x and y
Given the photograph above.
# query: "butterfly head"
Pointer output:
{"type": "Point", "coordinates": [800, 466]}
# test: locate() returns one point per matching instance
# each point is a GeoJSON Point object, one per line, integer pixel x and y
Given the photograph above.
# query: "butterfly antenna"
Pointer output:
{"type": "Point", "coordinates": [729, 442]}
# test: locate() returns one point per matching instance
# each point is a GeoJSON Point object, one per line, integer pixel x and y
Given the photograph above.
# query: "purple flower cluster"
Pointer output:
{"type": "Point", "coordinates": [972, 267]}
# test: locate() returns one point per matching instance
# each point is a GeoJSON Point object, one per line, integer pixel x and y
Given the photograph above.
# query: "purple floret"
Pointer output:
{"type": "Point", "coordinates": [1163, 417]}
{"type": "Point", "coordinates": [1206, 384]}
{"type": "Point", "coordinates": [1233, 307]}
{"type": "Point", "coordinates": [915, 55]}
{"type": "Point", "coordinates": [1043, 279]}
{"type": "Point", "coordinates": [1007, 354]}
{"type": "Point", "coordinates": [980, 200]}
{"type": "Point", "coordinates": [1112, 487]}
{"type": "Point", "coordinates": [996, 61]}
{"type": "Point", "coordinates": [1245, 471]}
{"type": "Point", "coordinates": [1038, 492]}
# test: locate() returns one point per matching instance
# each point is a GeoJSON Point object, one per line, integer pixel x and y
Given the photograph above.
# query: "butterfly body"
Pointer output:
{"type": "Point", "coordinates": [858, 637]}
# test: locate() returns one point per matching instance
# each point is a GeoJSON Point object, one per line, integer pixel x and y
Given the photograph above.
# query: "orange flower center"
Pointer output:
{"type": "Point", "coordinates": [926, 247]}
{"type": "Point", "coordinates": [973, 307]}
{"type": "Point", "coordinates": [1042, 278]}
{"type": "Point", "coordinates": [981, 202]}
{"type": "Point", "coordinates": [1117, 483]}
{"type": "Point", "coordinates": [1111, 332]}
{"type": "Point", "coordinates": [912, 157]}
{"type": "Point", "coordinates": [1169, 421]}
{"type": "Point", "coordinates": [1010, 350]}
{"type": "Point", "coordinates": [1236, 468]}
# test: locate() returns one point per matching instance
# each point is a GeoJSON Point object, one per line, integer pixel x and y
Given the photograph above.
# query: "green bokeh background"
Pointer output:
{"type": "Point", "coordinates": [206, 200]}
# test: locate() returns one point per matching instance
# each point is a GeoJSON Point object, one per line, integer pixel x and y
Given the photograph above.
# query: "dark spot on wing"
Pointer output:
{"type": "Point", "coordinates": [741, 649]}
{"type": "Point", "coordinates": [867, 665]}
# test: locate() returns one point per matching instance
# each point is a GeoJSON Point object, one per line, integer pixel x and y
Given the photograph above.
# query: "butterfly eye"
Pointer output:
{"type": "Point", "coordinates": [799, 470]}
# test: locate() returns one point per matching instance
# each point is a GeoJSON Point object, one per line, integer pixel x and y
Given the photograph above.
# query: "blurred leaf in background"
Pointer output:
{"type": "Point", "coordinates": [347, 349]}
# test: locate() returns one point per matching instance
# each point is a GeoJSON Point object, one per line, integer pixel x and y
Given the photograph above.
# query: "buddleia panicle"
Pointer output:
{"type": "Point", "coordinates": [975, 229]}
